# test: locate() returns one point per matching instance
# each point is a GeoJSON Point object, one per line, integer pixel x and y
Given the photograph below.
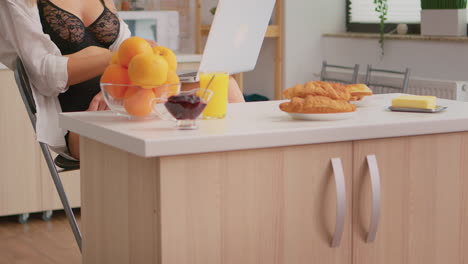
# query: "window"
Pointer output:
{"type": "Point", "coordinates": [362, 17]}
{"type": "Point", "coordinates": [399, 11]}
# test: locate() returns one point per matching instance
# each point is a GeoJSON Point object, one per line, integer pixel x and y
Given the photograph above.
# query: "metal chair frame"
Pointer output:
{"type": "Point", "coordinates": [405, 76]}
{"type": "Point", "coordinates": [22, 80]}
{"type": "Point", "coordinates": [354, 70]}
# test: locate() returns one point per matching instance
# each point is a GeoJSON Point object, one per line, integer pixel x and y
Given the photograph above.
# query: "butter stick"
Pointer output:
{"type": "Point", "coordinates": [414, 101]}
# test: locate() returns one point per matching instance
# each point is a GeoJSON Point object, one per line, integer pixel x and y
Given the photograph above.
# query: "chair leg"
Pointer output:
{"type": "Point", "coordinates": [63, 196]}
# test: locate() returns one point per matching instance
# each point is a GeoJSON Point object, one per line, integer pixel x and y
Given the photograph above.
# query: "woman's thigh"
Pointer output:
{"type": "Point", "coordinates": [74, 145]}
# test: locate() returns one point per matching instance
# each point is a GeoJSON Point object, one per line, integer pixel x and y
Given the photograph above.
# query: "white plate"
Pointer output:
{"type": "Point", "coordinates": [365, 102]}
{"type": "Point", "coordinates": [323, 117]}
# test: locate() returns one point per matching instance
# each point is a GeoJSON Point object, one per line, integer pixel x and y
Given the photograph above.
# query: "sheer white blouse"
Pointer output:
{"type": "Point", "coordinates": [21, 36]}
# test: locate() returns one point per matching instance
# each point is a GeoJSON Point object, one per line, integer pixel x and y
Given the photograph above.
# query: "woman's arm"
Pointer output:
{"type": "Point", "coordinates": [21, 28]}
{"type": "Point", "coordinates": [87, 64]}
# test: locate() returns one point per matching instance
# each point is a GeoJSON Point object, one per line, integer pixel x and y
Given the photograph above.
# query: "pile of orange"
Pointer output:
{"type": "Point", "coordinates": [140, 74]}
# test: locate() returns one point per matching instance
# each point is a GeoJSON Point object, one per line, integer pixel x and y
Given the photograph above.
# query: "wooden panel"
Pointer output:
{"type": "Point", "coordinates": [252, 207]}
{"type": "Point", "coordinates": [191, 209]}
{"type": "Point", "coordinates": [120, 206]}
{"type": "Point", "coordinates": [273, 31]}
{"type": "Point", "coordinates": [256, 206]}
{"type": "Point", "coordinates": [71, 184]}
{"type": "Point", "coordinates": [20, 183]}
{"type": "Point", "coordinates": [423, 215]}
{"type": "Point", "coordinates": [310, 204]}
{"type": "Point", "coordinates": [279, 66]}
{"type": "Point", "coordinates": [198, 25]}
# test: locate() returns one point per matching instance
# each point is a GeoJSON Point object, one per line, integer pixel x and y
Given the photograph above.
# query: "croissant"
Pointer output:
{"type": "Point", "coordinates": [317, 104]}
{"type": "Point", "coordinates": [358, 91]}
{"type": "Point", "coordinates": [356, 97]}
{"type": "Point", "coordinates": [317, 88]}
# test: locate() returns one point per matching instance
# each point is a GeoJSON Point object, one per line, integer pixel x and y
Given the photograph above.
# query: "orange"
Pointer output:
{"type": "Point", "coordinates": [170, 88]}
{"type": "Point", "coordinates": [132, 90]}
{"type": "Point", "coordinates": [172, 78]}
{"type": "Point", "coordinates": [161, 92]}
{"type": "Point", "coordinates": [168, 55]}
{"type": "Point", "coordinates": [115, 74]}
{"type": "Point", "coordinates": [148, 70]}
{"type": "Point", "coordinates": [140, 103]}
{"type": "Point", "coordinates": [131, 47]}
{"type": "Point", "coordinates": [115, 58]}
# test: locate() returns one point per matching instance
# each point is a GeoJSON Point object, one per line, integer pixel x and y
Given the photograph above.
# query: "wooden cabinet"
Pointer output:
{"type": "Point", "coordinates": [310, 204]}
{"type": "Point", "coordinates": [25, 182]}
{"type": "Point", "coordinates": [279, 205]}
{"type": "Point", "coordinates": [20, 178]}
{"type": "Point", "coordinates": [71, 184]}
{"type": "Point", "coordinates": [424, 206]}
{"type": "Point", "coordinates": [273, 205]}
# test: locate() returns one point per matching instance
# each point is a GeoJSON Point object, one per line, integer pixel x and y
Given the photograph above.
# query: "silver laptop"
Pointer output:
{"type": "Point", "coordinates": [235, 38]}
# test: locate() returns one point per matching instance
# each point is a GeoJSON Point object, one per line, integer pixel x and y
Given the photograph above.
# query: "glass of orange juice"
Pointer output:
{"type": "Point", "coordinates": [216, 108]}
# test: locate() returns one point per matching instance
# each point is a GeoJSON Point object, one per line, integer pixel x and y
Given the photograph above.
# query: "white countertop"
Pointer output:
{"type": "Point", "coordinates": [181, 58]}
{"type": "Point", "coordinates": [261, 125]}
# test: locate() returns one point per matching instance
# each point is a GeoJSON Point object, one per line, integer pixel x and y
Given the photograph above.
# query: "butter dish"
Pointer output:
{"type": "Point", "coordinates": [437, 109]}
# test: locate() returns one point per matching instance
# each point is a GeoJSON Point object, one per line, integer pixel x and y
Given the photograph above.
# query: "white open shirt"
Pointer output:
{"type": "Point", "coordinates": [21, 35]}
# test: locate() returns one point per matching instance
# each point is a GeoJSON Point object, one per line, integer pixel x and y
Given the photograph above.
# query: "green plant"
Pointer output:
{"type": "Point", "coordinates": [213, 11]}
{"type": "Point", "coordinates": [446, 4]}
{"type": "Point", "coordinates": [381, 7]}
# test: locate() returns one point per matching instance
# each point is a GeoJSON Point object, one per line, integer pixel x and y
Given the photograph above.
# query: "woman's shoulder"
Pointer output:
{"type": "Point", "coordinates": [24, 7]}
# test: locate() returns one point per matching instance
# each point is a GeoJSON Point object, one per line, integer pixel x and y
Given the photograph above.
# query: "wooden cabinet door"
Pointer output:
{"type": "Point", "coordinates": [20, 183]}
{"type": "Point", "coordinates": [310, 204]}
{"type": "Point", "coordinates": [259, 206]}
{"type": "Point", "coordinates": [424, 205]}
{"type": "Point", "coordinates": [71, 184]}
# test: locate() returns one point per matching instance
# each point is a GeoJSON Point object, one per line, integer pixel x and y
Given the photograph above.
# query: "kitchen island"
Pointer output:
{"type": "Point", "coordinates": [259, 187]}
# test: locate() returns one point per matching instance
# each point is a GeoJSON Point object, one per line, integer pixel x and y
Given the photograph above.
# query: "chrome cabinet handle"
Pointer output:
{"type": "Point", "coordinates": [375, 182]}
{"type": "Point", "coordinates": [340, 201]}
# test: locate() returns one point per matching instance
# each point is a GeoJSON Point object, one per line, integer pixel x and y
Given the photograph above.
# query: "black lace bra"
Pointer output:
{"type": "Point", "coordinates": [70, 34]}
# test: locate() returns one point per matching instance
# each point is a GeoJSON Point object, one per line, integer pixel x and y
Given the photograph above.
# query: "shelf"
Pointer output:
{"type": "Point", "coordinates": [273, 31]}
{"type": "Point", "coordinates": [462, 39]}
{"type": "Point", "coordinates": [143, 15]}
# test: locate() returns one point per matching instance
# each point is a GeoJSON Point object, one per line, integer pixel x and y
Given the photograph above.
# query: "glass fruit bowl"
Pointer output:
{"type": "Point", "coordinates": [137, 102]}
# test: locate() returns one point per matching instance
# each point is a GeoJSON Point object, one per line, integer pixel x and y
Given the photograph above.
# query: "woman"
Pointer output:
{"type": "Point", "coordinates": [65, 45]}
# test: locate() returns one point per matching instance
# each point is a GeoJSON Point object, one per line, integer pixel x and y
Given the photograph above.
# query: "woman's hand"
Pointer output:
{"type": "Point", "coordinates": [98, 103]}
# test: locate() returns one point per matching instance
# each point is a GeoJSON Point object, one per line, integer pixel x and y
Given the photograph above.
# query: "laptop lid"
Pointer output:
{"type": "Point", "coordinates": [236, 35]}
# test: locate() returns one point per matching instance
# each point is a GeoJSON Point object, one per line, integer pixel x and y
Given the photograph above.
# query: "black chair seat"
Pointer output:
{"type": "Point", "coordinates": [66, 164]}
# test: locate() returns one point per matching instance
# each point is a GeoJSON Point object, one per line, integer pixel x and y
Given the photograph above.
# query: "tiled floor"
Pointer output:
{"type": "Point", "coordinates": [37, 241]}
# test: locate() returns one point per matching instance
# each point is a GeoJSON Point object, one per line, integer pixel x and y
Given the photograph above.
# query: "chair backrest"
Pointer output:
{"type": "Point", "coordinates": [380, 83]}
{"type": "Point", "coordinates": [327, 77]}
{"type": "Point", "coordinates": [22, 81]}
{"type": "Point", "coordinates": [25, 89]}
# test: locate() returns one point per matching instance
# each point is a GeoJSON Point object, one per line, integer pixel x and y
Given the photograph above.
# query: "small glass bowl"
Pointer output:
{"type": "Point", "coordinates": [136, 102]}
{"type": "Point", "coordinates": [184, 108]}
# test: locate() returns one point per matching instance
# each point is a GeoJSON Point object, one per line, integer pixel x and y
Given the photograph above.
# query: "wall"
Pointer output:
{"type": "Point", "coordinates": [305, 22]}
{"type": "Point", "coordinates": [427, 59]}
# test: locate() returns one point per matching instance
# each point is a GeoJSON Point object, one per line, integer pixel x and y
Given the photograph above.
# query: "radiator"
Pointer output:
{"type": "Point", "coordinates": [446, 89]}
